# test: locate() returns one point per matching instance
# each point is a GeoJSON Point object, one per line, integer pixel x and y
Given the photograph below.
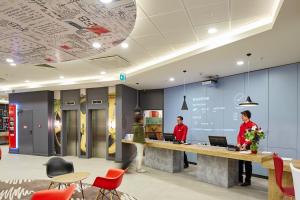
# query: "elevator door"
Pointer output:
{"type": "Point", "coordinates": [98, 129]}
{"type": "Point", "coordinates": [71, 132]}
{"type": "Point", "coordinates": [26, 132]}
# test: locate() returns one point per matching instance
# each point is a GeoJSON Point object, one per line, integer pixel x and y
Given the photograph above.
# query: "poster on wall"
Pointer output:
{"type": "Point", "coordinates": [57, 122]}
{"type": "Point", "coordinates": [83, 134]}
{"type": "Point", "coordinates": [153, 124]}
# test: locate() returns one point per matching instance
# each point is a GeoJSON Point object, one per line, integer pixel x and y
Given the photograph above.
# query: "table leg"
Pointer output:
{"type": "Point", "coordinates": [59, 186]}
{"type": "Point", "coordinates": [50, 185]}
{"type": "Point", "coordinates": [273, 190]}
{"type": "Point", "coordinates": [81, 189]}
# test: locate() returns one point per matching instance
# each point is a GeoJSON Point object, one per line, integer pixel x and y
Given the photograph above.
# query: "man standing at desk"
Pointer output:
{"type": "Point", "coordinates": [180, 133]}
{"type": "Point", "coordinates": [243, 145]}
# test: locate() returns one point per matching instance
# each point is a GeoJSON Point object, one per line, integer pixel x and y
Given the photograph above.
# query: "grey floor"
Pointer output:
{"type": "Point", "coordinates": [153, 185]}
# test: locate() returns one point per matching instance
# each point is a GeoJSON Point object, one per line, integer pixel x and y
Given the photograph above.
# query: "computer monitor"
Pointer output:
{"type": "Point", "coordinates": [169, 137]}
{"type": "Point", "coordinates": [152, 136]}
{"type": "Point", "coordinates": [220, 141]}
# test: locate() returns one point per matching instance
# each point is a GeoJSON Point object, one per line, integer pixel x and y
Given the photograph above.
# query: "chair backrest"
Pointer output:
{"type": "Point", "coordinates": [116, 175]}
{"type": "Point", "coordinates": [278, 166]}
{"type": "Point", "coordinates": [54, 194]}
{"type": "Point", "coordinates": [296, 180]}
{"type": "Point", "coordinates": [57, 166]}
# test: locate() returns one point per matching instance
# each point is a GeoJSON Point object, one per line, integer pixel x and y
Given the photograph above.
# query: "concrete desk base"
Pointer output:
{"type": "Point", "coordinates": [217, 171]}
{"type": "Point", "coordinates": [168, 160]}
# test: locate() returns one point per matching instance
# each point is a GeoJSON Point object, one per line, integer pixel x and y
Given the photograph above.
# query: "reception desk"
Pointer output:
{"type": "Point", "coordinates": [216, 165]}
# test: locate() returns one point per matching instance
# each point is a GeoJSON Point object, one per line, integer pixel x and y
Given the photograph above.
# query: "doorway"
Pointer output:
{"type": "Point", "coordinates": [98, 132]}
{"type": "Point", "coordinates": [70, 128]}
{"type": "Point", "coordinates": [26, 132]}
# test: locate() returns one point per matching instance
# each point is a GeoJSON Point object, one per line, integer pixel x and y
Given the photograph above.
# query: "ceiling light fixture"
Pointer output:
{"type": "Point", "coordinates": [96, 45]}
{"type": "Point", "coordinates": [240, 63]}
{"type": "Point", "coordinates": [61, 77]}
{"type": "Point", "coordinates": [138, 109]}
{"type": "Point", "coordinates": [212, 30]}
{"type": "Point", "coordinates": [106, 1]}
{"type": "Point", "coordinates": [27, 81]}
{"type": "Point", "coordinates": [248, 102]}
{"type": "Point", "coordinates": [171, 79]}
{"type": "Point", "coordinates": [184, 104]}
{"type": "Point", "coordinates": [9, 60]}
{"type": "Point", "coordinates": [103, 73]}
{"type": "Point", "coordinates": [124, 45]}
{"type": "Point", "coordinates": [12, 64]}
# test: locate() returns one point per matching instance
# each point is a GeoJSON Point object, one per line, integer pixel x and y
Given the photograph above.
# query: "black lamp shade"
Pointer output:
{"type": "Point", "coordinates": [248, 103]}
{"type": "Point", "coordinates": [184, 105]}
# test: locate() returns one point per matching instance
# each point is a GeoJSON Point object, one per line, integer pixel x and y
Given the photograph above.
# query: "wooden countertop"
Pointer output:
{"type": "Point", "coordinates": [207, 150]}
{"type": "Point", "coordinates": [286, 164]}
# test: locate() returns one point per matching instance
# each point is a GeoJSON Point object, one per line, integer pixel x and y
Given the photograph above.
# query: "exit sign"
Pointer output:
{"type": "Point", "coordinates": [122, 77]}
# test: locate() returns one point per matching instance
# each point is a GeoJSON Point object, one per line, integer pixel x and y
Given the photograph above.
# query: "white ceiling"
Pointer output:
{"type": "Point", "coordinates": [170, 34]}
{"type": "Point", "coordinates": [279, 46]}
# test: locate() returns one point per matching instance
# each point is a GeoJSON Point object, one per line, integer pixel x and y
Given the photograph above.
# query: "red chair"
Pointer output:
{"type": "Point", "coordinates": [110, 182]}
{"type": "Point", "coordinates": [278, 165]}
{"type": "Point", "coordinates": [54, 194]}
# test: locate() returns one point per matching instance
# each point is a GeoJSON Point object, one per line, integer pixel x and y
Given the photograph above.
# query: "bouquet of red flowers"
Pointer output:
{"type": "Point", "coordinates": [254, 135]}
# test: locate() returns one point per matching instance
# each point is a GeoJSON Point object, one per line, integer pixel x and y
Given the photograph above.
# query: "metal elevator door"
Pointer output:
{"type": "Point", "coordinates": [71, 129]}
{"type": "Point", "coordinates": [98, 128]}
{"type": "Point", "coordinates": [26, 132]}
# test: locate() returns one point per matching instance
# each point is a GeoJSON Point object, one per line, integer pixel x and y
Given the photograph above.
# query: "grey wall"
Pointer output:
{"type": "Point", "coordinates": [152, 99]}
{"type": "Point", "coordinates": [41, 103]}
{"type": "Point", "coordinates": [215, 110]}
{"type": "Point", "coordinates": [125, 104]}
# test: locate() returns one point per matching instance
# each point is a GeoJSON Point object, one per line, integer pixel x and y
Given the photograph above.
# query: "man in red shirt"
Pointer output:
{"type": "Point", "coordinates": [180, 133]}
{"type": "Point", "coordinates": [243, 145]}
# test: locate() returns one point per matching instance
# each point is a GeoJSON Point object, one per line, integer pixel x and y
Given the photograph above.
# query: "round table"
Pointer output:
{"type": "Point", "coordinates": [70, 178]}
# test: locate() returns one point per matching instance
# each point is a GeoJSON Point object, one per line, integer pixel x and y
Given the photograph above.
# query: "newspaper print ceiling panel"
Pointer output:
{"type": "Point", "coordinates": [50, 31]}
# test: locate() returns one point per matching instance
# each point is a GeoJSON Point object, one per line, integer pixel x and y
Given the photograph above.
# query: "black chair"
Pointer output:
{"type": "Point", "coordinates": [57, 166]}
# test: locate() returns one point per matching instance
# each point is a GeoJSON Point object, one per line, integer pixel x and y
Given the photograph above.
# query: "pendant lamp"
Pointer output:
{"type": "Point", "coordinates": [184, 104]}
{"type": "Point", "coordinates": [137, 108]}
{"type": "Point", "coordinates": [248, 102]}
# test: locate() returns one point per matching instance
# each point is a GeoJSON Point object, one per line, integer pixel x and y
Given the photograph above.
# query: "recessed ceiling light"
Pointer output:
{"type": "Point", "coordinates": [212, 30]}
{"type": "Point", "coordinates": [103, 72]}
{"type": "Point", "coordinates": [171, 79]}
{"type": "Point", "coordinates": [61, 77]}
{"type": "Point", "coordinates": [96, 45]}
{"type": "Point", "coordinates": [106, 1]}
{"type": "Point", "coordinates": [12, 64]}
{"type": "Point", "coordinates": [9, 60]}
{"type": "Point", "coordinates": [124, 45]}
{"type": "Point", "coordinates": [240, 62]}
{"type": "Point", "coordinates": [27, 81]}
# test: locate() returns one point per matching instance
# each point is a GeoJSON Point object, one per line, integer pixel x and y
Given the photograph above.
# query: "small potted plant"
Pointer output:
{"type": "Point", "coordinates": [254, 135]}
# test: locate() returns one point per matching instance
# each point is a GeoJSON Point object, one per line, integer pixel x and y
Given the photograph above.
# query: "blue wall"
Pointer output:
{"type": "Point", "coordinates": [215, 110]}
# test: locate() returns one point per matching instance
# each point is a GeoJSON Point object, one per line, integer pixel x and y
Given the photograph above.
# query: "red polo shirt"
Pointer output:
{"type": "Point", "coordinates": [180, 132]}
{"type": "Point", "coordinates": [243, 128]}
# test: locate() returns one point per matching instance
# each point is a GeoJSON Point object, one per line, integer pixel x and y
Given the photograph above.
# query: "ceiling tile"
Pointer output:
{"type": "Point", "coordinates": [245, 9]}
{"type": "Point", "coordinates": [201, 31]}
{"type": "Point", "coordinates": [181, 36]}
{"type": "Point", "coordinates": [151, 42]}
{"type": "Point", "coordinates": [143, 27]}
{"type": "Point", "coordinates": [209, 14]}
{"type": "Point", "coordinates": [158, 7]}
{"type": "Point", "coordinates": [176, 21]}
{"type": "Point", "coordinates": [201, 3]}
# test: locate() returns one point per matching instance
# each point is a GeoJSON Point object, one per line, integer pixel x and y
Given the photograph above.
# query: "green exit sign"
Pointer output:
{"type": "Point", "coordinates": [122, 77]}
